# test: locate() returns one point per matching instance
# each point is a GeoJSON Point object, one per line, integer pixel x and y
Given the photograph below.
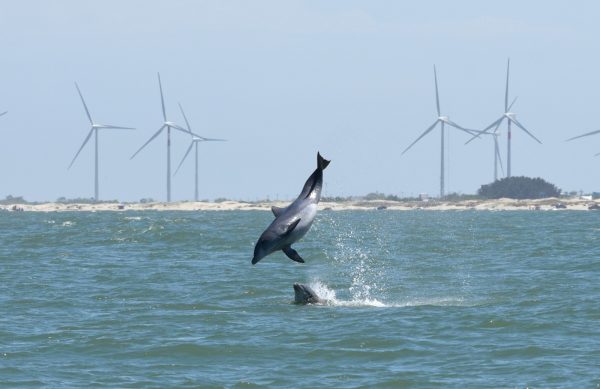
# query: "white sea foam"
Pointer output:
{"type": "Point", "coordinates": [359, 300]}
{"type": "Point", "coordinates": [328, 294]}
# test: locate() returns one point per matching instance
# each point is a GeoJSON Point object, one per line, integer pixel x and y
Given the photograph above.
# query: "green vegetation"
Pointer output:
{"type": "Point", "coordinates": [10, 199]}
{"type": "Point", "coordinates": [380, 196]}
{"type": "Point", "coordinates": [83, 200]}
{"type": "Point", "coordinates": [519, 188]}
{"type": "Point", "coordinates": [336, 199]}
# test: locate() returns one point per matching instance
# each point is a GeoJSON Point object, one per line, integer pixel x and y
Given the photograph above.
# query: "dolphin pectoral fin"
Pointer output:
{"type": "Point", "coordinates": [292, 254]}
{"type": "Point", "coordinates": [291, 227]}
{"type": "Point", "coordinates": [277, 210]}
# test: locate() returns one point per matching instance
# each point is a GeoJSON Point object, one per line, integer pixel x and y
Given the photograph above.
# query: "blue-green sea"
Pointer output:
{"type": "Point", "coordinates": [474, 299]}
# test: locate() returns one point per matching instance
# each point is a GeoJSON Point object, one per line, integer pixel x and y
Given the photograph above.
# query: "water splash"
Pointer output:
{"type": "Point", "coordinates": [360, 255]}
{"type": "Point", "coordinates": [330, 296]}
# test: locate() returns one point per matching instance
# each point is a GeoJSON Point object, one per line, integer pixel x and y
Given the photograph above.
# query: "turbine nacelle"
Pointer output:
{"type": "Point", "coordinates": [444, 119]}
{"type": "Point", "coordinates": [510, 115]}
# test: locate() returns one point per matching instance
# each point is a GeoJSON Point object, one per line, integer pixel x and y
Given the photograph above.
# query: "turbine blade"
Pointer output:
{"type": "Point", "coordinates": [582, 135]}
{"type": "Point", "coordinates": [506, 93]}
{"type": "Point", "coordinates": [428, 130]}
{"type": "Point", "coordinates": [497, 126]}
{"type": "Point", "coordinates": [116, 127]}
{"type": "Point", "coordinates": [485, 130]}
{"type": "Point", "coordinates": [179, 128]}
{"type": "Point", "coordinates": [87, 138]}
{"type": "Point", "coordinates": [84, 105]}
{"type": "Point", "coordinates": [187, 123]}
{"type": "Point", "coordinates": [213, 140]}
{"type": "Point", "coordinates": [511, 104]}
{"type": "Point", "coordinates": [524, 129]}
{"type": "Point", "coordinates": [437, 97]}
{"type": "Point", "coordinates": [597, 154]}
{"type": "Point", "coordinates": [162, 99]}
{"type": "Point", "coordinates": [468, 131]}
{"type": "Point", "coordinates": [3, 113]}
{"type": "Point", "coordinates": [149, 140]}
{"type": "Point", "coordinates": [184, 157]}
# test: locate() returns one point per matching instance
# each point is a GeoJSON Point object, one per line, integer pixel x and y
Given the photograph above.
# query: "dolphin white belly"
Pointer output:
{"type": "Point", "coordinates": [307, 216]}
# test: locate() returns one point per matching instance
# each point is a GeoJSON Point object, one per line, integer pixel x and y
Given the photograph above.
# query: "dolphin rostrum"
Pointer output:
{"type": "Point", "coordinates": [303, 294]}
{"type": "Point", "coordinates": [292, 222]}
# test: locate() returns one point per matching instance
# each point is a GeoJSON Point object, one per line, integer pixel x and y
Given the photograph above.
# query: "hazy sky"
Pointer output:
{"type": "Point", "coordinates": [282, 80]}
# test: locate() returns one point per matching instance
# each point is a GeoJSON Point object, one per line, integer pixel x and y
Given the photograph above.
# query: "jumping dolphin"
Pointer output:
{"type": "Point", "coordinates": [292, 222]}
{"type": "Point", "coordinates": [304, 294]}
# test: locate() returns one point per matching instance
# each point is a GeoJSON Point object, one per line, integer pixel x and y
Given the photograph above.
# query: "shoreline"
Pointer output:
{"type": "Point", "coordinates": [432, 205]}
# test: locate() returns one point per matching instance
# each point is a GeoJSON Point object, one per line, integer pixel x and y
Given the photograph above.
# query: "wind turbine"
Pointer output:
{"type": "Point", "coordinates": [168, 125]}
{"type": "Point", "coordinates": [586, 134]}
{"type": "Point", "coordinates": [442, 120]}
{"type": "Point", "coordinates": [195, 140]}
{"type": "Point", "coordinates": [93, 131]}
{"type": "Point", "coordinates": [510, 118]}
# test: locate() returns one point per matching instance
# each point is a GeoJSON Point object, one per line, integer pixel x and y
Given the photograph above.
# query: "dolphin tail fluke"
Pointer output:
{"type": "Point", "coordinates": [292, 254]}
{"type": "Point", "coordinates": [322, 163]}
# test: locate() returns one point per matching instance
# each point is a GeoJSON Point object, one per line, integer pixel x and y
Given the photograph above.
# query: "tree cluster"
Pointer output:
{"type": "Point", "coordinates": [10, 199]}
{"type": "Point", "coordinates": [519, 188]}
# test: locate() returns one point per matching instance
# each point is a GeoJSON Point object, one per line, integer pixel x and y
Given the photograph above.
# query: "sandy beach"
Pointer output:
{"type": "Point", "coordinates": [434, 205]}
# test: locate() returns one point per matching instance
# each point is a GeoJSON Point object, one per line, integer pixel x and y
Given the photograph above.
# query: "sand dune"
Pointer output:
{"type": "Point", "coordinates": [492, 205]}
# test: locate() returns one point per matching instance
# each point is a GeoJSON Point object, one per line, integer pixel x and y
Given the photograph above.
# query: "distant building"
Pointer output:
{"type": "Point", "coordinates": [423, 197]}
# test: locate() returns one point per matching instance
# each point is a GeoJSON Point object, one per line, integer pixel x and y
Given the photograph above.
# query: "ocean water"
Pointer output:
{"type": "Point", "coordinates": [415, 299]}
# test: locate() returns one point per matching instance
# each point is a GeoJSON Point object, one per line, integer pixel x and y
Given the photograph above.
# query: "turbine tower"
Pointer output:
{"type": "Point", "coordinates": [168, 125]}
{"type": "Point", "coordinates": [442, 120]}
{"type": "Point", "coordinates": [93, 131]}
{"type": "Point", "coordinates": [510, 118]}
{"type": "Point", "coordinates": [586, 134]}
{"type": "Point", "coordinates": [195, 140]}
{"type": "Point", "coordinates": [497, 157]}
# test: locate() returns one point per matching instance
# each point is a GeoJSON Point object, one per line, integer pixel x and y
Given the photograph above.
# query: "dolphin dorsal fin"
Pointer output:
{"type": "Point", "coordinates": [291, 227]}
{"type": "Point", "coordinates": [277, 210]}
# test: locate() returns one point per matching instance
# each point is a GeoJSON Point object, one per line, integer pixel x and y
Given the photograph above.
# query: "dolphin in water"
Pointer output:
{"type": "Point", "coordinates": [292, 222]}
{"type": "Point", "coordinates": [304, 294]}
